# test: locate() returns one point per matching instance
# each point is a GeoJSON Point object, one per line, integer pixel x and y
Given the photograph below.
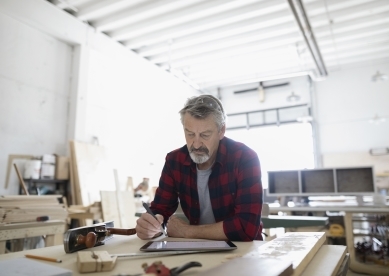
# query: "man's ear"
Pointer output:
{"type": "Point", "coordinates": [222, 132]}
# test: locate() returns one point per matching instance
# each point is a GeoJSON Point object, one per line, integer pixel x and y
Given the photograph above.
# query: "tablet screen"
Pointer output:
{"type": "Point", "coordinates": [188, 245]}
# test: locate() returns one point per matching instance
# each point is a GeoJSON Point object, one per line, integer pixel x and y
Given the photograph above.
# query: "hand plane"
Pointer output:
{"type": "Point", "coordinates": [89, 236]}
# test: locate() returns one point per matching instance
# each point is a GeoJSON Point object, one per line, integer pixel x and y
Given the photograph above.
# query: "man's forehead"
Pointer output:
{"type": "Point", "coordinates": [199, 125]}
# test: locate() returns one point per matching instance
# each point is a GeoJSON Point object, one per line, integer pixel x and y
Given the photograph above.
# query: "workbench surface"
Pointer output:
{"type": "Point", "coordinates": [131, 244]}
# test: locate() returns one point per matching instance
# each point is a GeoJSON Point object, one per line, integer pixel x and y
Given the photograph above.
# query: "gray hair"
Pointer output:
{"type": "Point", "coordinates": [202, 106]}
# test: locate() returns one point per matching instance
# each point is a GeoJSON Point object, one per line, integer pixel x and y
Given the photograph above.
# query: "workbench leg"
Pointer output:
{"type": "Point", "coordinates": [2, 247]}
{"type": "Point", "coordinates": [52, 240]}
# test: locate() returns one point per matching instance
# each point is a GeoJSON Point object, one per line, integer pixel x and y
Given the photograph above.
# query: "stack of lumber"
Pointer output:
{"type": "Point", "coordinates": [92, 211]}
{"type": "Point", "coordinates": [22, 208]}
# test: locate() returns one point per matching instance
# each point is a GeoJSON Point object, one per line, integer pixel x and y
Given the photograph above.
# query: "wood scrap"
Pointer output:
{"type": "Point", "coordinates": [110, 208]}
{"type": "Point", "coordinates": [251, 267]}
{"type": "Point", "coordinates": [92, 172]}
{"type": "Point", "coordinates": [332, 255]}
{"type": "Point", "coordinates": [119, 207]}
{"type": "Point", "coordinates": [297, 247]}
{"type": "Point", "coordinates": [21, 181]}
{"type": "Point", "coordinates": [11, 157]}
{"type": "Point", "coordinates": [17, 209]}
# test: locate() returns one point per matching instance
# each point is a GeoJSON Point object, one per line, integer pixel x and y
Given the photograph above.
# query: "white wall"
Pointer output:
{"type": "Point", "coordinates": [128, 103]}
{"type": "Point", "coordinates": [34, 89]}
{"type": "Point", "coordinates": [346, 101]}
{"type": "Point", "coordinates": [274, 97]}
{"type": "Point", "coordinates": [342, 106]}
{"type": "Point", "coordinates": [133, 110]}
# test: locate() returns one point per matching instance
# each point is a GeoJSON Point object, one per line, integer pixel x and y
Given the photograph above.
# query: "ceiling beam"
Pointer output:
{"type": "Point", "coordinates": [255, 78]}
{"type": "Point", "coordinates": [353, 24]}
{"type": "Point", "coordinates": [227, 43]}
{"type": "Point", "coordinates": [265, 23]}
{"type": "Point", "coordinates": [349, 13]}
{"type": "Point", "coordinates": [140, 12]}
{"type": "Point", "coordinates": [366, 32]}
{"type": "Point", "coordinates": [253, 47]}
{"type": "Point", "coordinates": [174, 18]}
{"type": "Point", "coordinates": [255, 10]}
{"type": "Point", "coordinates": [102, 8]}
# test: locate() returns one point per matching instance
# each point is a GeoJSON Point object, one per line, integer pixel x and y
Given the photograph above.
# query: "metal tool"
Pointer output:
{"type": "Point", "coordinates": [159, 269]}
{"type": "Point", "coordinates": [97, 261]}
{"type": "Point", "coordinates": [90, 236]}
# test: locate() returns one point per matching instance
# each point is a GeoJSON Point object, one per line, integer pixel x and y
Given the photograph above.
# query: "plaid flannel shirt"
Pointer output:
{"type": "Point", "coordinates": [235, 189]}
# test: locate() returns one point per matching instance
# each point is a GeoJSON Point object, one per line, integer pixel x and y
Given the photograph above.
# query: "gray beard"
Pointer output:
{"type": "Point", "coordinates": [199, 159]}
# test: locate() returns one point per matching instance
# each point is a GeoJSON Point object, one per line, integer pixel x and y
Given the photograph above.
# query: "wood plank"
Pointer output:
{"type": "Point", "coordinates": [76, 181]}
{"type": "Point", "coordinates": [25, 230]}
{"type": "Point", "coordinates": [327, 261]}
{"type": "Point", "coordinates": [251, 267]}
{"type": "Point", "coordinates": [298, 248]}
{"type": "Point", "coordinates": [11, 157]}
{"type": "Point", "coordinates": [126, 207]}
{"type": "Point", "coordinates": [94, 171]}
{"type": "Point", "coordinates": [109, 207]}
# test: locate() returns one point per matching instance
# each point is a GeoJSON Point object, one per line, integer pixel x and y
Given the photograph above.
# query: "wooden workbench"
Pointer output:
{"type": "Point", "coordinates": [348, 211]}
{"type": "Point", "coordinates": [52, 229]}
{"type": "Point", "coordinates": [131, 244]}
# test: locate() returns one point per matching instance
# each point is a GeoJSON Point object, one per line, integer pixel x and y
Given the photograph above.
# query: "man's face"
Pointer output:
{"type": "Point", "coordinates": [202, 139]}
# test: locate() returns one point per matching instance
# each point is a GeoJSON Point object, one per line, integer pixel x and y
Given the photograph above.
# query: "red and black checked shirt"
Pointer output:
{"type": "Point", "coordinates": [235, 189]}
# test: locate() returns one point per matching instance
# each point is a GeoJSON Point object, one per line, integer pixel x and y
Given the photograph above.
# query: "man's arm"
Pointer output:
{"type": "Point", "coordinates": [180, 229]}
{"type": "Point", "coordinates": [245, 225]}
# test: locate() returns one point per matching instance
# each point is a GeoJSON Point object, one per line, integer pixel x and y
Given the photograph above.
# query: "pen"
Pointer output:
{"type": "Point", "coordinates": [44, 258]}
{"type": "Point", "coordinates": [151, 213]}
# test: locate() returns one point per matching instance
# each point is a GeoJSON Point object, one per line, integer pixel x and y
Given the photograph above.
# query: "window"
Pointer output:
{"type": "Point", "coordinates": [284, 147]}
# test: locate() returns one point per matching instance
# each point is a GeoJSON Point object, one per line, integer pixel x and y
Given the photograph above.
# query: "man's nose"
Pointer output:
{"type": "Point", "coordinates": [197, 143]}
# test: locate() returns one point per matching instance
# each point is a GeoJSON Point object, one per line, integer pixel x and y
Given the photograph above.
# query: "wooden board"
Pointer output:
{"type": "Point", "coordinates": [298, 248]}
{"type": "Point", "coordinates": [119, 207]}
{"type": "Point", "coordinates": [327, 261]}
{"type": "Point", "coordinates": [92, 170]}
{"type": "Point", "coordinates": [11, 158]}
{"type": "Point", "coordinates": [251, 267]}
{"type": "Point", "coordinates": [74, 174]}
{"type": "Point", "coordinates": [109, 207]}
{"type": "Point", "coordinates": [126, 207]}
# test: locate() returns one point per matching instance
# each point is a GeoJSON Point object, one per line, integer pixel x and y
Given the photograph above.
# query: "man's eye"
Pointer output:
{"type": "Point", "coordinates": [190, 134]}
{"type": "Point", "coordinates": [205, 136]}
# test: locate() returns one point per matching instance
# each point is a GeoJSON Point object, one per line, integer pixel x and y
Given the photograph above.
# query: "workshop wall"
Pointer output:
{"type": "Point", "coordinates": [128, 104]}
{"type": "Point", "coordinates": [34, 88]}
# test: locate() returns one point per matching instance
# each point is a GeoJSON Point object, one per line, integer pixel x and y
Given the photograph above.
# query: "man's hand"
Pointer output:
{"type": "Point", "coordinates": [147, 227]}
{"type": "Point", "coordinates": [176, 227]}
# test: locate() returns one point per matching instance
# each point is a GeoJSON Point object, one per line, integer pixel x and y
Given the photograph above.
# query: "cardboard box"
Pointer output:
{"type": "Point", "coordinates": [62, 168]}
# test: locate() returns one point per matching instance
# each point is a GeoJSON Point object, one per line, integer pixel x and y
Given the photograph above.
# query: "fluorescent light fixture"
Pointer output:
{"type": "Point", "coordinates": [180, 75]}
{"type": "Point", "coordinates": [293, 97]}
{"type": "Point", "coordinates": [377, 120]}
{"type": "Point", "coordinates": [379, 77]}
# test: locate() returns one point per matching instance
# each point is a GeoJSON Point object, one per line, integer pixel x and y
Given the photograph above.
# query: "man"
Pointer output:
{"type": "Point", "coordinates": [216, 180]}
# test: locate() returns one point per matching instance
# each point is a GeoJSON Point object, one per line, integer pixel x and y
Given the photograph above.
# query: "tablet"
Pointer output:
{"type": "Point", "coordinates": [188, 246]}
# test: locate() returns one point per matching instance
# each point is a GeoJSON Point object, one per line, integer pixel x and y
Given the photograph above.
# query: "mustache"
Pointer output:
{"type": "Point", "coordinates": [201, 149]}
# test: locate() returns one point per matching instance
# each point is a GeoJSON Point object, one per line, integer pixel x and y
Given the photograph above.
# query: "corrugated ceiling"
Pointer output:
{"type": "Point", "coordinates": [217, 43]}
